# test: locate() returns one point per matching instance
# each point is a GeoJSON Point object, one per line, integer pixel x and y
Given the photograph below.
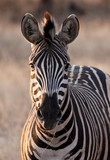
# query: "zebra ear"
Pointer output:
{"type": "Point", "coordinates": [69, 29]}
{"type": "Point", "coordinates": [30, 28]}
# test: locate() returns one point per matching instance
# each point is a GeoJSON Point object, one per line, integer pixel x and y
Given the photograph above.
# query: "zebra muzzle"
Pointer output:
{"type": "Point", "coordinates": [49, 112]}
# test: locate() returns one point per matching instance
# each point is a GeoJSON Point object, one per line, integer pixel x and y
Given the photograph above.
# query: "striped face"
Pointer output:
{"type": "Point", "coordinates": [49, 78]}
{"type": "Point", "coordinates": [49, 63]}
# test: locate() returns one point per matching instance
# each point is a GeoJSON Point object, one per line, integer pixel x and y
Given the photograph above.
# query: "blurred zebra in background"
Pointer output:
{"type": "Point", "coordinates": [70, 114]}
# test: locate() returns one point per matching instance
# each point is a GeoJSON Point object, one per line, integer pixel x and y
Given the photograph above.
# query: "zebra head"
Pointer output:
{"type": "Point", "coordinates": [49, 63]}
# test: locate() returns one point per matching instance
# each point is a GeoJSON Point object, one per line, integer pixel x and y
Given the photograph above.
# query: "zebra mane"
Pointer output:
{"type": "Point", "coordinates": [49, 26]}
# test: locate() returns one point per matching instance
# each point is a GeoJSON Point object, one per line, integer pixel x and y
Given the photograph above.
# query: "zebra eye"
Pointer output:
{"type": "Point", "coordinates": [31, 65]}
{"type": "Point", "coordinates": [66, 66]}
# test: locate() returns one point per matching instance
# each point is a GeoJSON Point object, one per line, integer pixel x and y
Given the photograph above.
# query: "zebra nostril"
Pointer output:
{"type": "Point", "coordinates": [59, 116]}
{"type": "Point", "coordinates": [39, 115]}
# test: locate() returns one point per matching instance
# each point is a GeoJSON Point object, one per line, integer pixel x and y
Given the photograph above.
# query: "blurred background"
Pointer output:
{"type": "Point", "coordinates": [92, 48]}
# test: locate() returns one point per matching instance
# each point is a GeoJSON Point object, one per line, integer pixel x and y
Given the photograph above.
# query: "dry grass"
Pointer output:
{"type": "Point", "coordinates": [92, 47]}
{"type": "Point", "coordinates": [14, 106]}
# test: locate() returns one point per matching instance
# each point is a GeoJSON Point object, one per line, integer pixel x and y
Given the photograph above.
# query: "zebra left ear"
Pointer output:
{"type": "Point", "coordinates": [30, 28]}
{"type": "Point", "coordinates": [69, 30]}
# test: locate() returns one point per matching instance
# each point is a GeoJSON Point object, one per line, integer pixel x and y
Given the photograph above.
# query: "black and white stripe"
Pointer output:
{"type": "Point", "coordinates": [83, 93]}
{"type": "Point", "coordinates": [84, 131]}
{"type": "Point", "coordinates": [51, 67]}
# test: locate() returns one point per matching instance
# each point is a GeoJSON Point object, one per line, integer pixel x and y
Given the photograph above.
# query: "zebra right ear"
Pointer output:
{"type": "Point", "coordinates": [69, 30]}
{"type": "Point", "coordinates": [30, 28]}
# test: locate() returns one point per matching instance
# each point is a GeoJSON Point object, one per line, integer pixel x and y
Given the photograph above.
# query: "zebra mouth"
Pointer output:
{"type": "Point", "coordinates": [41, 127]}
{"type": "Point", "coordinates": [47, 126]}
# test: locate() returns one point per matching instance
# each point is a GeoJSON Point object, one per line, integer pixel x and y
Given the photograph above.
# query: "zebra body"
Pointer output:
{"type": "Point", "coordinates": [80, 128]}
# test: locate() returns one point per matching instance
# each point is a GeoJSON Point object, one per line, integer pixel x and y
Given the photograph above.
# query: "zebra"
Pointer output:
{"type": "Point", "coordinates": [70, 114]}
